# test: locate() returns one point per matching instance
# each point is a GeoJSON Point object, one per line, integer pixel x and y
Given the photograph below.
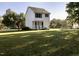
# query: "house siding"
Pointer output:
{"type": "Point", "coordinates": [46, 20]}
{"type": "Point", "coordinates": [30, 17]}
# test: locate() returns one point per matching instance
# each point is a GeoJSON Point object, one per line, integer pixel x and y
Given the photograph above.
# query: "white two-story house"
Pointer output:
{"type": "Point", "coordinates": [37, 18]}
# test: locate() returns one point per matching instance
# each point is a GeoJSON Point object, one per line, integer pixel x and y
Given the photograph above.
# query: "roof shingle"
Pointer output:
{"type": "Point", "coordinates": [39, 10]}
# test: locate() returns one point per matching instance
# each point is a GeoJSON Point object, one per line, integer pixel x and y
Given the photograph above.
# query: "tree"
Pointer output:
{"type": "Point", "coordinates": [20, 20]}
{"type": "Point", "coordinates": [9, 18]}
{"type": "Point", "coordinates": [72, 9]}
{"type": "Point", "coordinates": [13, 20]}
{"type": "Point", "coordinates": [57, 23]}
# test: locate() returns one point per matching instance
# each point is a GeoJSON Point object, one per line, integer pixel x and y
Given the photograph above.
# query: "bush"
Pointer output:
{"type": "Point", "coordinates": [26, 28]}
{"type": "Point", "coordinates": [45, 28]}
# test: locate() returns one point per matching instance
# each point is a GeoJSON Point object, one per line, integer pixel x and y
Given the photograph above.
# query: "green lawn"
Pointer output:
{"type": "Point", "coordinates": [41, 42]}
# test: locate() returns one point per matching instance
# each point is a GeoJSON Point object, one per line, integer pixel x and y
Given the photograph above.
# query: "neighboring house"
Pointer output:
{"type": "Point", "coordinates": [1, 18]}
{"type": "Point", "coordinates": [1, 24]}
{"type": "Point", "coordinates": [37, 18]}
{"type": "Point", "coordinates": [75, 25]}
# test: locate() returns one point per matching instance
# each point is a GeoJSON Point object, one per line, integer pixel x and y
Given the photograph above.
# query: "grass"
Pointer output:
{"type": "Point", "coordinates": [40, 43]}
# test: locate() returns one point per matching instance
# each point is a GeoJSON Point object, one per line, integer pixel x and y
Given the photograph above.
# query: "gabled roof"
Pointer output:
{"type": "Point", "coordinates": [39, 10]}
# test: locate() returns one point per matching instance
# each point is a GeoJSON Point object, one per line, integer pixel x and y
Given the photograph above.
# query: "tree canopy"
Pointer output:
{"type": "Point", "coordinates": [58, 23]}
{"type": "Point", "coordinates": [12, 19]}
{"type": "Point", "coordinates": [72, 9]}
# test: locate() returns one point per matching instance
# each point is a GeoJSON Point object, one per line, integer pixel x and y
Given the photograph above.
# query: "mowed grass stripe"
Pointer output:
{"type": "Point", "coordinates": [40, 42]}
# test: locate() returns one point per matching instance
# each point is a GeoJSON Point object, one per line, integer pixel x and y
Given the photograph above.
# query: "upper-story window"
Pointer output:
{"type": "Point", "coordinates": [46, 15]}
{"type": "Point", "coordinates": [38, 15]}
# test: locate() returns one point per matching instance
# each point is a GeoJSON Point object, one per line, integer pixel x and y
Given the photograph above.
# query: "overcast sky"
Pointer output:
{"type": "Point", "coordinates": [57, 9]}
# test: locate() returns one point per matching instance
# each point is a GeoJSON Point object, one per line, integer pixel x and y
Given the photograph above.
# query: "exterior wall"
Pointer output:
{"type": "Point", "coordinates": [29, 18]}
{"type": "Point", "coordinates": [75, 25]}
{"type": "Point", "coordinates": [41, 19]}
{"type": "Point", "coordinates": [46, 20]}
{"type": "Point", "coordinates": [46, 24]}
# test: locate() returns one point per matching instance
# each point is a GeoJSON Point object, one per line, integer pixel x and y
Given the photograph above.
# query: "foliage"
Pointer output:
{"type": "Point", "coordinates": [1, 26]}
{"type": "Point", "coordinates": [20, 21]}
{"type": "Point", "coordinates": [9, 18]}
{"type": "Point", "coordinates": [12, 19]}
{"type": "Point", "coordinates": [72, 9]}
{"type": "Point", "coordinates": [57, 23]}
{"type": "Point", "coordinates": [26, 28]}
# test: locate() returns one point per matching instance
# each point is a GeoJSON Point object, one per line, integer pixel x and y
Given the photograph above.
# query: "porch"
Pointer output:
{"type": "Point", "coordinates": [37, 24]}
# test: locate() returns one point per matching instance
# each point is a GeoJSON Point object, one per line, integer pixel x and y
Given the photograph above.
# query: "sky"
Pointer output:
{"type": "Point", "coordinates": [57, 9]}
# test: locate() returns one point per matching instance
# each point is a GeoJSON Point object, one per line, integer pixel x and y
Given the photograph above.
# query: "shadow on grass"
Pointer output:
{"type": "Point", "coordinates": [46, 43]}
{"type": "Point", "coordinates": [71, 49]}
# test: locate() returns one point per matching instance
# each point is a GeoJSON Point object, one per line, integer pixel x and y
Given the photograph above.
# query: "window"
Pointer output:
{"type": "Point", "coordinates": [46, 15]}
{"type": "Point", "coordinates": [38, 15]}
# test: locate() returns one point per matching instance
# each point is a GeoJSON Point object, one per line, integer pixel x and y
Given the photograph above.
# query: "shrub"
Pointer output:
{"type": "Point", "coordinates": [44, 28]}
{"type": "Point", "coordinates": [26, 28]}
